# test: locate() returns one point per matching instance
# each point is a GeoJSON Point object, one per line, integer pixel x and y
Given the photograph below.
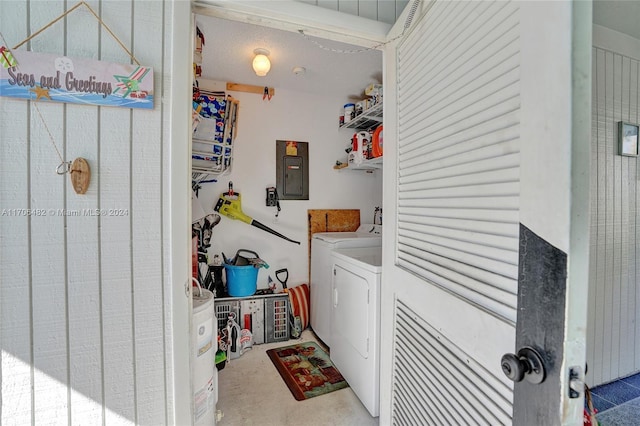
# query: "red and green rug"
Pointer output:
{"type": "Point", "coordinates": [307, 370]}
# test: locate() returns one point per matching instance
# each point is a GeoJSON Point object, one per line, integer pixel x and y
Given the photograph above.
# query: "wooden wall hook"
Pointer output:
{"type": "Point", "coordinates": [80, 175]}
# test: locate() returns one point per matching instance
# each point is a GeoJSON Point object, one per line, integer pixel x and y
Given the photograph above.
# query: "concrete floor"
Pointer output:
{"type": "Point", "coordinates": [251, 392]}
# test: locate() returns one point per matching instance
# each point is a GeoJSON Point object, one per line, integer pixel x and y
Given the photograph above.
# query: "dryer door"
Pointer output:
{"type": "Point", "coordinates": [350, 307]}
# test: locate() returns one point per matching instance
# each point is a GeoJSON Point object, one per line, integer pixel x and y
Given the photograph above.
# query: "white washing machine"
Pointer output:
{"type": "Point", "coordinates": [355, 321]}
{"type": "Point", "coordinates": [322, 244]}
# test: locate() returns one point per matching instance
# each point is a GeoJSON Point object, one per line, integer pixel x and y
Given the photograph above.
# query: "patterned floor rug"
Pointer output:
{"type": "Point", "coordinates": [307, 370]}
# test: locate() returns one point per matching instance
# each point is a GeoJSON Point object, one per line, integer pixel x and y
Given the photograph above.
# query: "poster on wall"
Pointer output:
{"type": "Point", "coordinates": [48, 77]}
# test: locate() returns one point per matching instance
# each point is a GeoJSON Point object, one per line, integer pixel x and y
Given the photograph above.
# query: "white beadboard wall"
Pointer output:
{"type": "Point", "coordinates": [85, 317]}
{"type": "Point", "coordinates": [379, 10]}
{"type": "Point", "coordinates": [613, 332]}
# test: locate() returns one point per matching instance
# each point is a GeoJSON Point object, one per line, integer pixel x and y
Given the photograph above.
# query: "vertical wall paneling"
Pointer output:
{"type": "Point", "coordinates": [16, 315]}
{"type": "Point", "coordinates": [616, 220]}
{"type": "Point", "coordinates": [85, 339]}
{"type": "Point", "coordinates": [625, 362]}
{"type": "Point", "coordinates": [15, 255]}
{"type": "Point", "coordinates": [593, 184]}
{"type": "Point", "coordinates": [48, 239]}
{"type": "Point", "coordinates": [613, 345]}
{"type": "Point", "coordinates": [114, 165]}
{"type": "Point", "coordinates": [592, 326]}
{"type": "Point", "coordinates": [327, 4]}
{"type": "Point", "coordinates": [634, 114]}
{"type": "Point", "coordinates": [609, 213]}
{"type": "Point", "coordinates": [146, 205]}
{"type": "Point", "coordinates": [601, 150]}
{"type": "Point", "coordinates": [378, 10]}
{"type": "Point", "coordinates": [633, 363]}
{"type": "Point", "coordinates": [628, 362]}
{"type": "Point", "coordinates": [368, 9]}
{"type": "Point", "coordinates": [400, 5]}
{"type": "Point", "coordinates": [83, 312]}
{"type": "Point", "coordinates": [348, 6]}
{"type": "Point", "coordinates": [387, 11]}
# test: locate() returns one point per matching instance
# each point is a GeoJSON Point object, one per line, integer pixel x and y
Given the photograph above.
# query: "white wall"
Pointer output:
{"type": "Point", "coordinates": [294, 116]}
{"type": "Point", "coordinates": [613, 340]}
{"type": "Point", "coordinates": [86, 305]}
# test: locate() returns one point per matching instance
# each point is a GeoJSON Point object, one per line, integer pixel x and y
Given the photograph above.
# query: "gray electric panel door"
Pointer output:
{"type": "Point", "coordinates": [292, 170]}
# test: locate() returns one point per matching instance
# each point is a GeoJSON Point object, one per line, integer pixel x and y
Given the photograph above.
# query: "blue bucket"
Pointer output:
{"type": "Point", "coordinates": [241, 280]}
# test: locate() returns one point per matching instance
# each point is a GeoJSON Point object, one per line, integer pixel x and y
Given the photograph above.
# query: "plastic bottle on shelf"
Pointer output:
{"type": "Point", "coordinates": [349, 110]}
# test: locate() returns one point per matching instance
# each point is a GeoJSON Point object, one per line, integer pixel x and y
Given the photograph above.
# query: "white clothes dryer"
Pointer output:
{"type": "Point", "coordinates": [355, 321]}
{"type": "Point", "coordinates": [322, 244]}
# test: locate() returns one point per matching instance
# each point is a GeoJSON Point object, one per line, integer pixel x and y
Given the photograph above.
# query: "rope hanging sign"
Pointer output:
{"type": "Point", "coordinates": [43, 77]}
{"type": "Point", "coordinates": [56, 78]}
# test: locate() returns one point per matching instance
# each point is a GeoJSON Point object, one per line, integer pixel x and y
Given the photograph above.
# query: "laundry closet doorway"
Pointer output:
{"type": "Point", "coordinates": [298, 112]}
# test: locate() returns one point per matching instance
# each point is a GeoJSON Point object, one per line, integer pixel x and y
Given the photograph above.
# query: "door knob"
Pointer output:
{"type": "Point", "coordinates": [527, 364]}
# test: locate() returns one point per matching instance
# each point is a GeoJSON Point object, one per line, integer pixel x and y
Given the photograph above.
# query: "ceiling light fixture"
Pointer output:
{"type": "Point", "coordinates": [261, 63]}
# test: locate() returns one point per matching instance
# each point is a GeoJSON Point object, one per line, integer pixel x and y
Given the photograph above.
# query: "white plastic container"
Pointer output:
{"type": "Point", "coordinates": [349, 112]}
{"type": "Point", "coordinates": [204, 375]}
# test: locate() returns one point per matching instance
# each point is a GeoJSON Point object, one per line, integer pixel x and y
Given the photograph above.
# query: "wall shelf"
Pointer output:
{"type": "Point", "coordinates": [371, 164]}
{"type": "Point", "coordinates": [369, 119]}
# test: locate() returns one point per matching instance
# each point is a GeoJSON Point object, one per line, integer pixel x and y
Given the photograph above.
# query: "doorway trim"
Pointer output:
{"type": "Point", "coordinates": [295, 16]}
{"type": "Point", "coordinates": [284, 15]}
{"type": "Point", "coordinates": [177, 218]}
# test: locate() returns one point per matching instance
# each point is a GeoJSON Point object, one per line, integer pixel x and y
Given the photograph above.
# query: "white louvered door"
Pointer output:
{"type": "Point", "coordinates": [478, 149]}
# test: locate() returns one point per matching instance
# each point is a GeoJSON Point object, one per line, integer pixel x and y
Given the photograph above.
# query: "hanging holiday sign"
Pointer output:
{"type": "Point", "coordinates": [48, 77]}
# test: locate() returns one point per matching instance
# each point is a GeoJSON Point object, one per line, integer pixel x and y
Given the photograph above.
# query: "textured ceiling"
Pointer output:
{"type": "Point", "coordinates": [228, 53]}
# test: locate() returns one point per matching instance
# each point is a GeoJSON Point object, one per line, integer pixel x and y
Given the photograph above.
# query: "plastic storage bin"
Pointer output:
{"type": "Point", "coordinates": [269, 315]}
{"type": "Point", "coordinates": [242, 281]}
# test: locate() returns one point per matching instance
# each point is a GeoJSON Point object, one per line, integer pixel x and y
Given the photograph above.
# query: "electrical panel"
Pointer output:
{"type": "Point", "coordinates": [292, 170]}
